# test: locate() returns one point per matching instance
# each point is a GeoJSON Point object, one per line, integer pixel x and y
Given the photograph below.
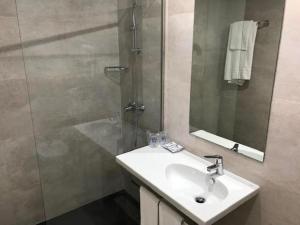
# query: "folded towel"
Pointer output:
{"type": "Point", "coordinates": [239, 56]}
{"type": "Point", "coordinates": [168, 216]}
{"type": "Point", "coordinates": [237, 39]}
{"type": "Point", "coordinates": [149, 207]}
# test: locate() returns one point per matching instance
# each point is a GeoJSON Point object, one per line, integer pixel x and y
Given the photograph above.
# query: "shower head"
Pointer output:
{"type": "Point", "coordinates": [134, 3]}
{"type": "Point", "coordinates": [133, 26]}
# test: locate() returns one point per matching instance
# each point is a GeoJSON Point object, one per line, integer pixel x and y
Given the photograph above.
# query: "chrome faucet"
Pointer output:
{"type": "Point", "coordinates": [132, 107]}
{"type": "Point", "coordinates": [217, 168]}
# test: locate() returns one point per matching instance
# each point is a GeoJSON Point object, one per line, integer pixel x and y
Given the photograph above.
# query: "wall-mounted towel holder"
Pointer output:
{"type": "Point", "coordinates": [263, 23]}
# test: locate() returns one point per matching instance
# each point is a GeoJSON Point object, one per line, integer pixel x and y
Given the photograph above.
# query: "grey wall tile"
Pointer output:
{"type": "Point", "coordinates": [258, 91]}
{"type": "Point", "coordinates": [20, 185]}
{"type": "Point", "coordinates": [11, 67]}
{"type": "Point", "coordinates": [9, 32]}
{"type": "Point", "coordinates": [24, 207]}
{"type": "Point", "coordinates": [15, 120]}
{"type": "Point", "coordinates": [74, 171]}
{"type": "Point", "coordinates": [21, 199]}
{"type": "Point", "coordinates": [147, 67]}
{"type": "Point", "coordinates": [8, 8]}
{"type": "Point", "coordinates": [66, 46]}
{"type": "Point", "coordinates": [212, 19]}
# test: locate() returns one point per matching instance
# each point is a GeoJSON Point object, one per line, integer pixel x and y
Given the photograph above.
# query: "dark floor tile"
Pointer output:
{"type": "Point", "coordinates": [107, 211]}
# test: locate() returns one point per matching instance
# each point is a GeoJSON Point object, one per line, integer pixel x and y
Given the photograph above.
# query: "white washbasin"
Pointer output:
{"type": "Point", "coordinates": [193, 183]}
{"type": "Point", "coordinates": [181, 177]}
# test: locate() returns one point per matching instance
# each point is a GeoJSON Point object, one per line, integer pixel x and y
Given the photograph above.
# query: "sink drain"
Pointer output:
{"type": "Point", "coordinates": [200, 200]}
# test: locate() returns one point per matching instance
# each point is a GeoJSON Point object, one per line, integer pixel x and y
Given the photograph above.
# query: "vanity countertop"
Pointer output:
{"type": "Point", "coordinates": [180, 177]}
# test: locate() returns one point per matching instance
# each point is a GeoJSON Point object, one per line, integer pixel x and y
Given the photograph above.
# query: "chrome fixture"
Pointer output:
{"type": "Point", "coordinates": [235, 147]}
{"type": "Point", "coordinates": [133, 107]}
{"type": "Point", "coordinates": [136, 50]}
{"type": "Point", "coordinates": [133, 28]}
{"type": "Point", "coordinates": [263, 23]}
{"type": "Point", "coordinates": [217, 168]}
{"type": "Point", "coordinates": [113, 69]}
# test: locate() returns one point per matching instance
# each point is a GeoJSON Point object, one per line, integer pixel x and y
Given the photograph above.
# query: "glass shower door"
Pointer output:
{"type": "Point", "coordinates": [78, 110]}
{"type": "Point", "coordinates": [75, 106]}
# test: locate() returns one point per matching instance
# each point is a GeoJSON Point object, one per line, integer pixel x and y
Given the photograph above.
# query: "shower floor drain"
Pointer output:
{"type": "Point", "coordinates": [200, 200]}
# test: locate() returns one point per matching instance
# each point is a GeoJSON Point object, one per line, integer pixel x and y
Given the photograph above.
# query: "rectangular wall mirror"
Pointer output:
{"type": "Point", "coordinates": [235, 50]}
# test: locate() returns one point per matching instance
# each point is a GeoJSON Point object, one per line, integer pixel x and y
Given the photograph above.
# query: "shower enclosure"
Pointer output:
{"type": "Point", "coordinates": [93, 72]}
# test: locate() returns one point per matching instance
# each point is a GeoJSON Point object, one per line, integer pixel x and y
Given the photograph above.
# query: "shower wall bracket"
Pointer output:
{"type": "Point", "coordinates": [136, 50]}
{"type": "Point", "coordinates": [115, 69]}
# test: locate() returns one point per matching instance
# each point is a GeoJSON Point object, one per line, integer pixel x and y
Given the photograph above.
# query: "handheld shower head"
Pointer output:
{"type": "Point", "coordinates": [134, 4]}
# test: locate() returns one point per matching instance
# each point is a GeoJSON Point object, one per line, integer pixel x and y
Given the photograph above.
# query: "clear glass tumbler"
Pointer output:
{"type": "Point", "coordinates": [153, 139]}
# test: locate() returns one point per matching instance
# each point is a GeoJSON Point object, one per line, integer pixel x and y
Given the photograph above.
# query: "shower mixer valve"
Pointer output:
{"type": "Point", "coordinates": [132, 107]}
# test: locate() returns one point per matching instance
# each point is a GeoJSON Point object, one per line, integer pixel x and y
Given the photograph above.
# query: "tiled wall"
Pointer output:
{"type": "Point", "coordinates": [151, 65]}
{"type": "Point", "coordinates": [131, 80]}
{"type": "Point", "coordinates": [66, 46]}
{"type": "Point", "coordinates": [208, 90]}
{"type": "Point", "coordinates": [253, 100]}
{"type": "Point", "coordinates": [20, 198]}
{"type": "Point", "coordinates": [144, 72]}
{"type": "Point", "coordinates": [279, 200]}
{"type": "Point", "coordinates": [57, 153]}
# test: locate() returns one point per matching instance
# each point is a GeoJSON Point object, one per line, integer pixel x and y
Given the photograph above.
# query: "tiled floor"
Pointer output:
{"type": "Point", "coordinates": [116, 209]}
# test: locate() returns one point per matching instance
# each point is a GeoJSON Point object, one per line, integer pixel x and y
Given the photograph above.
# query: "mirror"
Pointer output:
{"type": "Point", "coordinates": [235, 50]}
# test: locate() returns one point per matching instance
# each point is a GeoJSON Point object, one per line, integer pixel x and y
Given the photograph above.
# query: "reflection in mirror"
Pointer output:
{"type": "Point", "coordinates": [235, 52]}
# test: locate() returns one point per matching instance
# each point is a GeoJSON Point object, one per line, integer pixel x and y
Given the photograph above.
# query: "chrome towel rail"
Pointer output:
{"type": "Point", "coordinates": [263, 23]}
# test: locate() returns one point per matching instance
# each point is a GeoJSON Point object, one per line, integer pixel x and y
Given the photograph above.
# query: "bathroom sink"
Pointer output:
{"type": "Point", "coordinates": [193, 183]}
{"type": "Point", "coordinates": [183, 181]}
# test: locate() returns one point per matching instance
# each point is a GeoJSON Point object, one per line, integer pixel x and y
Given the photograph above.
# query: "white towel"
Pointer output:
{"type": "Point", "coordinates": [237, 39]}
{"type": "Point", "coordinates": [240, 51]}
{"type": "Point", "coordinates": [168, 216]}
{"type": "Point", "coordinates": [149, 207]}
